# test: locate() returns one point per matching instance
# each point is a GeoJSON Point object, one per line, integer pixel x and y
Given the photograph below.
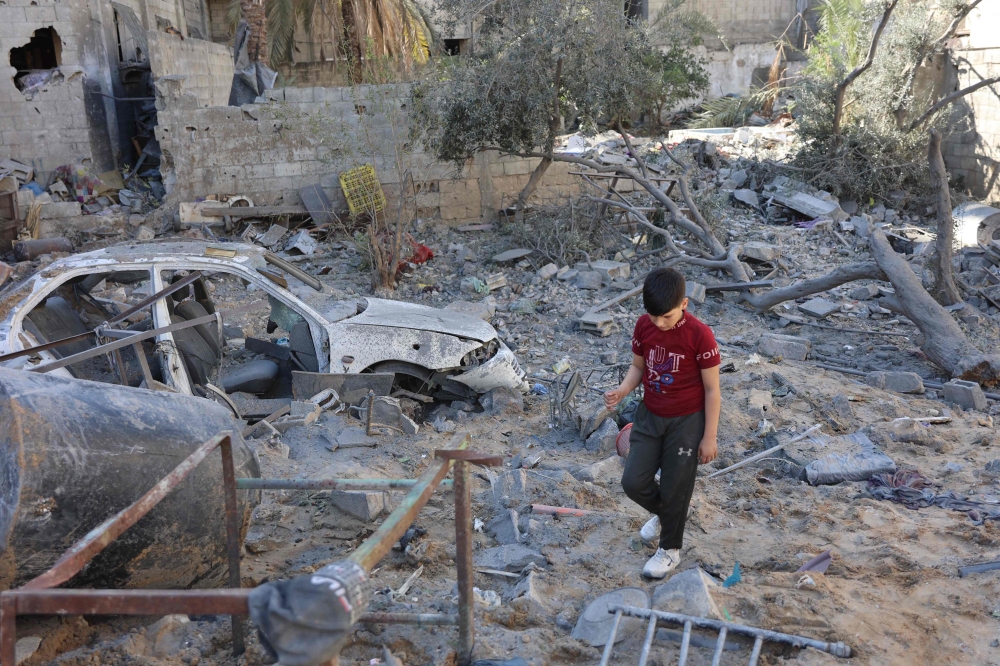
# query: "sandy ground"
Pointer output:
{"type": "Point", "coordinates": [892, 593]}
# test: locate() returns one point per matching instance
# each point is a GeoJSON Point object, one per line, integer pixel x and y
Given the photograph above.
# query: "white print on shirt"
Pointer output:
{"type": "Point", "coordinates": [707, 355]}
{"type": "Point", "coordinates": [659, 365]}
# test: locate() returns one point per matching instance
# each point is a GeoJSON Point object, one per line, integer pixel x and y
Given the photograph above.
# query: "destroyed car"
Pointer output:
{"type": "Point", "coordinates": [143, 315]}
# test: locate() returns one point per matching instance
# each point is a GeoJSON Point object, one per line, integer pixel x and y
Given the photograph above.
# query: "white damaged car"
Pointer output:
{"type": "Point", "coordinates": [142, 314]}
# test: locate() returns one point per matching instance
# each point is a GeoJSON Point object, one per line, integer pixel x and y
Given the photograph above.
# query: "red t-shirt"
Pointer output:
{"type": "Point", "coordinates": [674, 361]}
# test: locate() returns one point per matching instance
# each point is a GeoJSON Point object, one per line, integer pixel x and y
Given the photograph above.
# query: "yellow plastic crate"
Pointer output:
{"type": "Point", "coordinates": [362, 190]}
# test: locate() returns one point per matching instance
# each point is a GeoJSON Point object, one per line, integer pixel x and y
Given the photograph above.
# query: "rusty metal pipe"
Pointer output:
{"type": "Point", "coordinates": [32, 249]}
{"type": "Point", "coordinates": [232, 536]}
{"type": "Point", "coordinates": [463, 562]}
{"type": "Point", "coordinates": [378, 545]}
{"type": "Point", "coordinates": [84, 550]}
{"type": "Point", "coordinates": [331, 484]}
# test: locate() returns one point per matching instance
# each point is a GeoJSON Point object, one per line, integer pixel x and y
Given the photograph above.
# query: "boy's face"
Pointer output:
{"type": "Point", "coordinates": [669, 319]}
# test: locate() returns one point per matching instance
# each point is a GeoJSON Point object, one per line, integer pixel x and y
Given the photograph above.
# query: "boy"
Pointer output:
{"type": "Point", "coordinates": [676, 358]}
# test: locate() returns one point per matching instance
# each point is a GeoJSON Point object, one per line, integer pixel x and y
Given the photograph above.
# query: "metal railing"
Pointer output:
{"type": "Point", "coordinates": [38, 596]}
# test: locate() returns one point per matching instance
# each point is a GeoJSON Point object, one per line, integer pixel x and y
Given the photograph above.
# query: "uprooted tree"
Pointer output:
{"type": "Point", "coordinates": [503, 106]}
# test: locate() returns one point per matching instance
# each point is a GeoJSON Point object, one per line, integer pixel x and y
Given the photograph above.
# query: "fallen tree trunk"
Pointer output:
{"type": "Point", "coordinates": [944, 342]}
{"type": "Point", "coordinates": [841, 275]}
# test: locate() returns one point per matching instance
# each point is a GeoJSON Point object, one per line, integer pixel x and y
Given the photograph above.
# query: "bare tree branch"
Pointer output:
{"type": "Point", "coordinates": [840, 275]}
{"type": "Point", "coordinates": [945, 290]}
{"type": "Point", "coordinates": [838, 109]}
{"type": "Point", "coordinates": [948, 99]}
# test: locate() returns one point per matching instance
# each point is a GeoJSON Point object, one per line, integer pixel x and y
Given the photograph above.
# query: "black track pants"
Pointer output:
{"type": "Point", "coordinates": [669, 445]}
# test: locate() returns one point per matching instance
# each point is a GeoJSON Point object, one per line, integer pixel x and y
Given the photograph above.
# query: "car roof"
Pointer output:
{"type": "Point", "coordinates": [183, 250]}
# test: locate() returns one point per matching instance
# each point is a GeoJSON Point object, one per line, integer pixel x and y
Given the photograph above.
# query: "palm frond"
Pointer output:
{"type": "Point", "coordinates": [234, 12]}
{"type": "Point", "coordinates": [731, 111]}
{"type": "Point", "coordinates": [280, 17]}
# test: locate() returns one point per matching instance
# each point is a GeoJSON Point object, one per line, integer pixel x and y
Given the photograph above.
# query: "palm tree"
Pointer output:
{"type": "Point", "coordinates": [361, 30]}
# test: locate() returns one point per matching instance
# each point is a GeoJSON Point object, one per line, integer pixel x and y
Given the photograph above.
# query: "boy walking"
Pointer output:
{"type": "Point", "coordinates": [676, 358]}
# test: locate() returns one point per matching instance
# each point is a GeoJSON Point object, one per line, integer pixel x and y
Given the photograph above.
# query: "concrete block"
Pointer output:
{"type": "Point", "coordinates": [965, 394]}
{"type": "Point", "coordinates": [759, 404]}
{"type": "Point", "coordinates": [504, 527]}
{"type": "Point", "coordinates": [761, 251]}
{"type": "Point", "coordinates": [365, 505]}
{"type": "Point", "coordinates": [548, 271]}
{"type": "Point", "coordinates": [900, 382]}
{"type": "Point", "coordinates": [864, 293]}
{"type": "Point", "coordinates": [786, 346]}
{"type": "Point", "coordinates": [61, 209]}
{"type": "Point", "coordinates": [695, 292]}
{"type": "Point", "coordinates": [589, 280]}
{"type": "Point", "coordinates": [609, 270]}
{"type": "Point", "coordinates": [608, 470]}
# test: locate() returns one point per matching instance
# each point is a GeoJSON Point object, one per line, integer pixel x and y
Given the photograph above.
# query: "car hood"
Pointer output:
{"type": "Point", "coordinates": [396, 314]}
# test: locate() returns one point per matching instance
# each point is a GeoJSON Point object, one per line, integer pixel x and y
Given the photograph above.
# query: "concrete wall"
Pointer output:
{"type": "Point", "coordinates": [740, 21]}
{"type": "Point", "coordinates": [204, 69]}
{"type": "Point", "coordinates": [310, 135]}
{"type": "Point", "coordinates": [973, 155]}
{"type": "Point", "coordinates": [64, 122]}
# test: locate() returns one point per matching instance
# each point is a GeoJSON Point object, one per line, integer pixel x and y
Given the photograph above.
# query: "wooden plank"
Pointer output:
{"type": "Point", "coordinates": [352, 388]}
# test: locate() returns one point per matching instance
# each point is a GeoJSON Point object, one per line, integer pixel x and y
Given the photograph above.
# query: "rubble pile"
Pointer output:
{"type": "Point", "coordinates": [822, 395]}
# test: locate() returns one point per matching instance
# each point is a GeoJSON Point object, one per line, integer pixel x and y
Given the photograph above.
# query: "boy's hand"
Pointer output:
{"type": "Point", "coordinates": [708, 451]}
{"type": "Point", "coordinates": [612, 398]}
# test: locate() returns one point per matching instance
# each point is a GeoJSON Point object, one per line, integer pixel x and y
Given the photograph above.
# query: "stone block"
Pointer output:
{"type": "Point", "coordinates": [504, 527]}
{"type": "Point", "coordinates": [761, 251]}
{"type": "Point", "coordinates": [602, 440]}
{"type": "Point", "coordinates": [365, 505]}
{"type": "Point", "coordinates": [819, 307]}
{"type": "Point", "coordinates": [786, 346]}
{"type": "Point", "coordinates": [864, 293]}
{"type": "Point", "coordinates": [548, 271]}
{"type": "Point", "coordinates": [511, 557]}
{"type": "Point", "coordinates": [900, 382]}
{"type": "Point", "coordinates": [608, 269]}
{"type": "Point", "coordinates": [58, 210]}
{"type": "Point", "coordinates": [695, 292]}
{"type": "Point", "coordinates": [689, 593]}
{"type": "Point", "coordinates": [589, 280]}
{"type": "Point", "coordinates": [759, 404]}
{"type": "Point", "coordinates": [608, 470]}
{"type": "Point", "coordinates": [967, 395]}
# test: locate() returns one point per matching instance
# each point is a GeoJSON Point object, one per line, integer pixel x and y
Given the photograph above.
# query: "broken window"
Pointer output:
{"type": "Point", "coordinates": [132, 43]}
{"type": "Point", "coordinates": [636, 9]}
{"type": "Point", "coordinates": [82, 304]}
{"type": "Point", "coordinates": [455, 47]}
{"type": "Point", "coordinates": [36, 61]}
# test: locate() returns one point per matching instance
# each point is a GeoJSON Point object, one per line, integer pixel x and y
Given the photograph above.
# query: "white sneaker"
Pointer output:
{"type": "Point", "coordinates": [662, 563]}
{"type": "Point", "coordinates": [650, 532]}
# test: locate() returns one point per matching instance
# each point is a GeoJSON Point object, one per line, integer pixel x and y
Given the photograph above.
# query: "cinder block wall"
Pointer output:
{"type": "Point", "coordinates": [52, 128]}
{"type": "Point", "coordinates": [310, 135]}
{"type": "Point", "coordinates": [973, 155]}
{"type": "Point", "coordinates": [206, 67]}
{"type": "Point", "coordinates": [740, 21]}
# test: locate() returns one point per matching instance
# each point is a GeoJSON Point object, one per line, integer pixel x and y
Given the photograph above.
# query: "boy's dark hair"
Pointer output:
{"type": "Point", "coordinates": [663, 291]}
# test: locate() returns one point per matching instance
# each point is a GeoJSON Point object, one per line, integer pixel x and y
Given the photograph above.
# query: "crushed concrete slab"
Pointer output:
{"type": "Point", "coordinates": [747, 197]}
{"type": "Point", "coordinates": [609, 270]}
{"type": "Point", "coordinates": [594, 623]}
{"type": "Point", "coordinates": [301, 242]}
{"type": "Point", "coordinates": [819, 307]}
{"type": "Point", "coordinates": [272, 236]}
{"type": "Point", "coordinates": [809, 205]}
{"type": "Point", "coordinates": [791, 347]}
{"type": "Point", "coordinates": [967, 395]}
{"type": "Point", "coordinates": [510, 485]}
{"type": "Point", "coordinates": [511, 255]}
{"type": "Point", "coordinates": [484, 309]}
{"type": "Point", "coordinates": [688, 592]}
{"type": "Point", "coordinates": [510, 557]}
{"type": "Point", "coordinates": [900, 382]}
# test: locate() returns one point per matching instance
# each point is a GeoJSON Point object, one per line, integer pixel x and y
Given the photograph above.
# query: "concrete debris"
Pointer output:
{"type": "Point", "coordinates": [608, 471]}
{"type": "Point", "coordinates": [484, 309]}
{"type": "Point", "coordinates": [689, 593]}
{"type": "Point", "coordinates": [599, 323]}
{"type": "Point", "coordinates": [502, 401]}
{"type": "Point", "coordinates": [899, 382]}
{"type": "Point", "coordinates": [609, 270]}
{"type": "Point", "coordinates": [25, 647]}
{"type": "Point", "coordinates": [759, 404]}
{"type": "Point", "coordinates": [365, 505]}
{"type": "Point", "coordinates": [272, 237]}
{"type": "Point", "coordinates": [965, 394]}
{"type": "Point", "coordinates": [568, 275]}
{"type": "Point", "coordinates": [748, 197]}
{"type": "Point", "coordinates": [786, 346]}
{"type": "Point", "coordinates": [602, 440]}
{"type": "Point", "coordinates": [695, 292]}
{"type": "Point", "coordinates": [548, 271]}
{"type": "Point", "coordinates": [504, 527]}
{"type": "Point", "coordinates": [590, 417]}
{"type": "Point", "coordinates": [166, 635]}
{"type": "Point", "coordinates": [510, 557]}
{"type": "Point", "coordinates": [302, 243]}
{"type": "Point", "coordinates": [864, 293]}
{"type": "Point", "coordinates": [761, 251]}
{"type": "Point", "coordinates": [589, 280]}
{"type": "Point", "coordinates": [819, 307]}
{"type": "Point", "coordinates": [511, 255]}
{"type": "Point", "coordinates": [144, 233]}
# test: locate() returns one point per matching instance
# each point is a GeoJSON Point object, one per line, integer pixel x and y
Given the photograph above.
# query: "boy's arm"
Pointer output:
{"type": "Point", "coordinates": [708, 450]}
{"type": "Point", "coordinates": [632, 379]}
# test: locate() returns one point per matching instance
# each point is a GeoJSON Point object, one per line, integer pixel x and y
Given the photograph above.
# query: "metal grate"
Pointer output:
{"type": "Point", "coordinates": [689, 621]}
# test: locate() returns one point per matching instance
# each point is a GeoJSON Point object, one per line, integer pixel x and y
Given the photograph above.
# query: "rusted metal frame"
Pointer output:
{"type": "Point", "coordinates": [114, 320]}
{"type": "Point", "coordinates": [378, 545]}
{"type": "Point", "coordinates": [331, 484]}
{"type": "Point", "coordinates": [232, 535]}
{"type": "Point", "coordinates": [118, 344]}
{"type": "Point", "coordinates": [84, 550]}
